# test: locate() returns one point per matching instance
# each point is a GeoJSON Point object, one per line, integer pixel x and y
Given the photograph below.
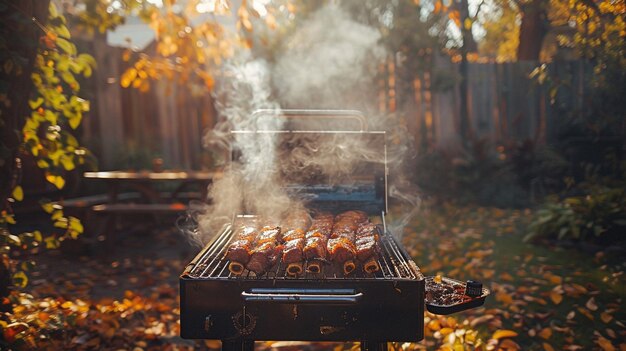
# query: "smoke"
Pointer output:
{"type": "Point", "coordinates": [330, 61]}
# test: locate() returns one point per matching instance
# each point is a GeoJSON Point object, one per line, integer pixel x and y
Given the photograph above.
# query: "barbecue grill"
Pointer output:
{"type": "Point", "coordinates": [374, 308]}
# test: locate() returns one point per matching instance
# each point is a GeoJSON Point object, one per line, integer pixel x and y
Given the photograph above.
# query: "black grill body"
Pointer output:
{"type": "Point", "coordinates": [386, 306]}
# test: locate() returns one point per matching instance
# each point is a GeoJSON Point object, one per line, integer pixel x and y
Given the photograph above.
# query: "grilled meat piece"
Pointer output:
{"type": "Point", "coordinates": [366, 247]}
{"type": "Point", "coordinates": [315, 253]}
{"type": "Point", "coordinates": [322, 223]}
{"type": "Point", "coordinates": [345, 225]}
{"type": "Point", "coordinates": [239, 254]}
{"type": "Point", "coordinates": [343, 233]}
{"type": "Point", "coordinates": [295, 268]}
{"type": "Point", "coordinates": [293, 234]}
{"type": "Point", "coordinates": [246, 233]}
{"type": "Point", "coordinates": [268, 235]}
{"type": "Point", "coordinates": [341, 250]}
{"type": "Point", "coordinates": [315, 248]}
{"type": "Point", "coordinates": [292, 251]}
{"type": "Point", "coordinates": [341, 246]}
{"type": "Point", "coordinates": [266, 251]}
{"type": "Point", "coordinates": [367, 229]}
{"type": "Point", "coordinates": [239, 251]}
{"type": "Point", "coordinates": [371, 266]}
{"type": "Point", "coordinates": [292, 256]}
{"type": "Point", "coordinates": [354, 216]}
{"type": "Point", "coordinates": [263, 257]}
{"type": "Point", "coordinates": [293, 241]}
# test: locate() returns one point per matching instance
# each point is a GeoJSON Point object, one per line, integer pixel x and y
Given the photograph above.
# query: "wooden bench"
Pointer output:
{"type": "Point", "coordinates": [88, 201]}
{"type": "Point", "coordinates": [131, 208]}
{"type": "Point", "coordinates": [113, 212]}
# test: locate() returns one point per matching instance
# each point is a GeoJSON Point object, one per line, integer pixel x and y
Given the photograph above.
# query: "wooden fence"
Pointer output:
{"type": "Point", "coordinates": [504, 103]}
{"type": "Point", "coordinates": [127, 128]}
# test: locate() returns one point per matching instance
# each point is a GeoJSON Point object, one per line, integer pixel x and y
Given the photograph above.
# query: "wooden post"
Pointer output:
{"type": "Point", "coordinates": [108, 101]}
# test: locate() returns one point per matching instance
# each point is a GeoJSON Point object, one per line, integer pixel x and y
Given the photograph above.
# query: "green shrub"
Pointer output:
{"type": "Point", "coordinates": [513, 174]}
{"type": "Point", "coordinates": [598, 216]}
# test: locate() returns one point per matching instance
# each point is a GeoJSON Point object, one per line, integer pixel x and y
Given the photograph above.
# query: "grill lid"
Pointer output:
{"type": "Point", "coordinates": [327, 158]}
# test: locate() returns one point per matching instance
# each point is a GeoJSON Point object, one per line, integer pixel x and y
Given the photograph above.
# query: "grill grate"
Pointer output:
{"type": "Point", "coordinates": [212, 264]}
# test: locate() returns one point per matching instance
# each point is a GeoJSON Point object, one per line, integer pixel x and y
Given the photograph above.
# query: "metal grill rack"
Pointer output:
{"type": "Point", "coordinates": [212, 264]}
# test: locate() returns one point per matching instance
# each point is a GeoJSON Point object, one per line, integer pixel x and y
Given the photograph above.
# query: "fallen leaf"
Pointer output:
{"type": "Point", "coordinates": [434, 325]}
{"type": "Point", "coordinates": [546, 333]}
{"type": "Point", "coordinates": [556, 297]}
{"type": "Point", "coordinates": [605, 344]}
{"type": "Point", "coordinates": [580, 289]}
{"type": "Point", "coordinates": [585, 312]}
{"type": "Point", "coordinates": [482, 319]}
{"type": "Point", "coordinates": [504, 298]}
{"type": "Point", "coordinates": [547, 347]}
{"type": "Point", "coordinates": [606, 317]}
{"type": "Point", "coordinates": [507, 344]}
{"type": "Point", "coordinates": [43, 316]}
{"type": "Point", "coordinates": [555, 279]}
{"type": "Point", "coordinates": [611, 333]}
{"type": "Point", "coordinates": [446, 331]}
{"type": "Point", "coordinates": [501, 334]}
{"type": "Point", "coordinates": [506, 276]}
{"type": "Point", "coordinates": [591, 304]}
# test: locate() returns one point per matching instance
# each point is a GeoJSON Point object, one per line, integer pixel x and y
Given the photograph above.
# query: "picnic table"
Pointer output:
{"type": "Point", "coordinates": [147, 183]}
{"type": "Point", "coordinates": [150, 197]}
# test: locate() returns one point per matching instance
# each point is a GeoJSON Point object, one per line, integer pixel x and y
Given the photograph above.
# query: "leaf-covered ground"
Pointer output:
{"type": "Point", "coordinates": [543, 298]}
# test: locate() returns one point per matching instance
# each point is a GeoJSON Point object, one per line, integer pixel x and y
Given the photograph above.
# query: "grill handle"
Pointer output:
{"type": "Point", "coordinates": [303, 296]}
{"type": "Point", "coordinates": [319, 115]}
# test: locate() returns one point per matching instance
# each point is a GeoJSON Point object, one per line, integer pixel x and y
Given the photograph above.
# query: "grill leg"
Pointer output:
{"type": "Point", "coordinates": [373, 346]}
{"type": "Point", "coordinates": [239, 345]}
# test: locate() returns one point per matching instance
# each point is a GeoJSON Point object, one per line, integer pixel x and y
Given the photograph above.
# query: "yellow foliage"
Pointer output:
{"type": "Point", "coordinates": [18, 193]}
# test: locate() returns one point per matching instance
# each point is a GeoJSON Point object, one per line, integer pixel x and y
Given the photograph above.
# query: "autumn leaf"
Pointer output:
{"type": "Point", "coordinates": [547, 347]}
{"type": "Point", "coordinates": [585, 312]}
{"type": "Point", "coordinates": [58, 181]}
{"type": "Point", "coordinates": [546, 333]}
{"type": "Point", "coordinates": [504, 298]}
{"type": "Point", "coordinates": [43, 316]}
{"type": "Point", "coordinates": [591, 304]}
{"type": "Point", "coordinates": [20, 279]}
{"type": "Point", "coordinates": [446, 331]}
{"type": "Point", "coordinates": [606, 317]}
{"type": "Point", "coordinates": [556, 297]}
{"type": "Point", "coordinates": [501, 334]}
{"type": "Point", "coordinates": [605, 344]}
{"type": "Point", "coordinates": [555, 279]}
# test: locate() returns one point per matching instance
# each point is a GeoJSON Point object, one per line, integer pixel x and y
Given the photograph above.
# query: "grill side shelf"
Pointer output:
{"type": "Point", "coordinates": [466, 302]}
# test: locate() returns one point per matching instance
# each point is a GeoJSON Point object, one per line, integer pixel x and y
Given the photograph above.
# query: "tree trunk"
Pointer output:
{"type": "Point", "coordinates": [19, 28]}
{"type": "Point", "coordinates": [533, 29]}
